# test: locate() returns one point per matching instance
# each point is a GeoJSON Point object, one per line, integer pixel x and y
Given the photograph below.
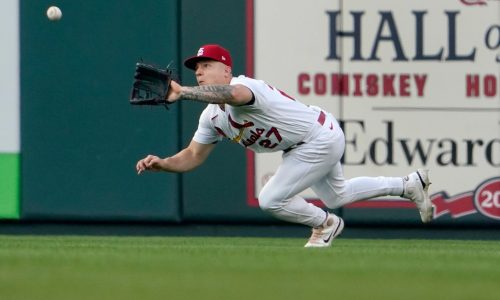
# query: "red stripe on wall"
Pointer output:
{"type": "Point", "coordinates": [250, 38]}
{"type": "Point", "coordinates": [251, 200]}
{"type": "Point", "coordinates": [382, 204]}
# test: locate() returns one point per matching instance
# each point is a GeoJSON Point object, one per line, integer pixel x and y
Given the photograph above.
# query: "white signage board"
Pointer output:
{"type": "Point", "coordinates": [416, 84]}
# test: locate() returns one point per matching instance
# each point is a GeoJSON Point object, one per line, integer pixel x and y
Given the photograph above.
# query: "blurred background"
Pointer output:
{"type": "Point", "coordinates": [414, 85]}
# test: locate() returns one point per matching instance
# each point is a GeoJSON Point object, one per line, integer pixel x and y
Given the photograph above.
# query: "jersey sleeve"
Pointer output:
{"type": "Point", "coordinates": [251, 84]}
{"type": "Point", "coordinates": [206, 133]}
{"type": "Point", "coordinates": [258, 88]}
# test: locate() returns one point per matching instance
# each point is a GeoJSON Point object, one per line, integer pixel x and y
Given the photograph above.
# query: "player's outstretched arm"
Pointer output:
{"type": "Point", "coordinates": [187, 159]}
{"type": "Point", "coordinates": [217, 94]}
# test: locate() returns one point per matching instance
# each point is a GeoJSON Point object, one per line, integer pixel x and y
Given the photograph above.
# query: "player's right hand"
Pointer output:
{"type": "Point", "coordinates": [150, 163]}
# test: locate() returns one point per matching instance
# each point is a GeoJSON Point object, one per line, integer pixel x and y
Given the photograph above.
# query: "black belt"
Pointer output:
{"type": "Point", "coordinates": [293, 147]}
{"type": "Point", "coordinates": [321, 121]}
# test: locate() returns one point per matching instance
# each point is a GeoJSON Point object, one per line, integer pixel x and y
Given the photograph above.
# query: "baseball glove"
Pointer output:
{"type": "Point", "coordinates": [151, 85]}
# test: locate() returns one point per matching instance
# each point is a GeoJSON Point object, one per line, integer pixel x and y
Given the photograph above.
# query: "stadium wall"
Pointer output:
{"type": "Point", "coordinates": [80, 138]}
{"type": "Point", "coordinates": [380, 68]}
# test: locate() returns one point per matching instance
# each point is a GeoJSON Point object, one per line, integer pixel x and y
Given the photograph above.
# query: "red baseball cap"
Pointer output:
{"type": "Point", "coordinates": [212, 51]}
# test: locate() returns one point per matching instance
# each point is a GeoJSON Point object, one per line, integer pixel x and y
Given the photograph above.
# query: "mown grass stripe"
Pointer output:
{"type": "Point", "coordinates": [72, 267]}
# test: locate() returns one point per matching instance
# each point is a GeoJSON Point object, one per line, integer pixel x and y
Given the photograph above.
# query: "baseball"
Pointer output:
{"type": "Point", "coordinates": [54, 13]}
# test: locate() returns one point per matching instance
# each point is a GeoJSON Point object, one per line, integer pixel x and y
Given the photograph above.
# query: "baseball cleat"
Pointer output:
{"type": "Point", "coordinates": [323, 235]}
{"type": "Point", "coordinates": [415, 188]}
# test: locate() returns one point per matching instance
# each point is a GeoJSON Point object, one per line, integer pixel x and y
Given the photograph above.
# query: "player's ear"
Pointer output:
{"type": "Point", "coordinates": [228, 71]}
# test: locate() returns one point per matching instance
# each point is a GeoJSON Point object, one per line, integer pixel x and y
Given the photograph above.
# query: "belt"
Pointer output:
{"type": "Point", "coordinates": [321, 121]}
{"type": "Point", "coordinates": [293, 147]}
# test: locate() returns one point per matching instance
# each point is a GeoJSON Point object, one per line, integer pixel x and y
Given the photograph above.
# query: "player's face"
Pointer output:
{"type": "Point", "coordinates": [212, 72]}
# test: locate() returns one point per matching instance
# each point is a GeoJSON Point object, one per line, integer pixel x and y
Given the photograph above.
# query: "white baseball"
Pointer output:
{"type": "Point", "coordinates": [54, 13]}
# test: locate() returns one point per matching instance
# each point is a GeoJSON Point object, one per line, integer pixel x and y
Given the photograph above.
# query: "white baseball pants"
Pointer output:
{"type": "Point", "coordinates": [316, 164]}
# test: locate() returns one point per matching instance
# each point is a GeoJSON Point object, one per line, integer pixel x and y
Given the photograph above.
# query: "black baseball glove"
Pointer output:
{"type": "Point", "coordinates": [151, 85]}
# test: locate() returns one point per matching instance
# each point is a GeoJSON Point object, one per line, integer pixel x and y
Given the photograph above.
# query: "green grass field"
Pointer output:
{"type": "Point", "coordinates": [69, 267]}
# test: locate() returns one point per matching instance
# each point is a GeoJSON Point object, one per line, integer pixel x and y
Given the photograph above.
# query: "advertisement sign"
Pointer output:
{"type": "Point", "coordinates": [414, 85]}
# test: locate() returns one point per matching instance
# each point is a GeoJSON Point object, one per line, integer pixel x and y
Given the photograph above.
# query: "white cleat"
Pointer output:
{"type": "Point", "coordinates": [415, 188]}
{"type": "Point", "coordinates": [323, 236]}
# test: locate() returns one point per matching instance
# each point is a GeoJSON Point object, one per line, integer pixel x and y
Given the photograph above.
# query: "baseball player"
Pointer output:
{"type": "Point", "coordinates": [262, 118]}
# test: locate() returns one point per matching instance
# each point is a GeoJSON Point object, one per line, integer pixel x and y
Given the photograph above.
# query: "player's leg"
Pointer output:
{"type": "Point", "coordinates": [335, 191]}
{"type": "Point", "coordinates": [300, 169]}
{"type": "Point", "coordinates": [279, 196]}
{"type": "Point", "coordinates": [292, 177]}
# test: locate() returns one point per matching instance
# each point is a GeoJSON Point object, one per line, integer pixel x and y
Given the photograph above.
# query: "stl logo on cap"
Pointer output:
{"type": "Point", "coordinates": [210, 52]}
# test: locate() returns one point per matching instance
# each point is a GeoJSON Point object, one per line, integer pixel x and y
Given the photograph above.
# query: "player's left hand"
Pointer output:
{"type": "Point", "coordinates": [150, 163]}
{"type": "Point", "coordinates": [151, 85]}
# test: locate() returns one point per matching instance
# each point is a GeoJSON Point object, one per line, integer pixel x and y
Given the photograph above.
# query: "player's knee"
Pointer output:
{"type": "Point", "coordinates": [337, 199]}
{"type": "Point", "coordinates": [268, 203]}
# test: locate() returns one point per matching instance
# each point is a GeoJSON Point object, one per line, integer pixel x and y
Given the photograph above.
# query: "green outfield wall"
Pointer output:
{"type": "Point", "coordinates": [80, 137]}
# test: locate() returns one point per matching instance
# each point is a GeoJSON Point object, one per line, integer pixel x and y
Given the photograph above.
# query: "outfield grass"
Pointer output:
{"type": "Point", "coordinates": [62, 267]}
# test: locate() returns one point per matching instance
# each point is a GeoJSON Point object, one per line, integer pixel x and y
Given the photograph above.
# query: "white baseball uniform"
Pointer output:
{"type": "Point", "coordinates": [312, 142]}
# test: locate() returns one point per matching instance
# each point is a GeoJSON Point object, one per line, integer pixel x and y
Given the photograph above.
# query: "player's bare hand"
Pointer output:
{"type": "Point", "coordinates": [174, 92]}
{"type": "Point", "coordinates": [149, 163]}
